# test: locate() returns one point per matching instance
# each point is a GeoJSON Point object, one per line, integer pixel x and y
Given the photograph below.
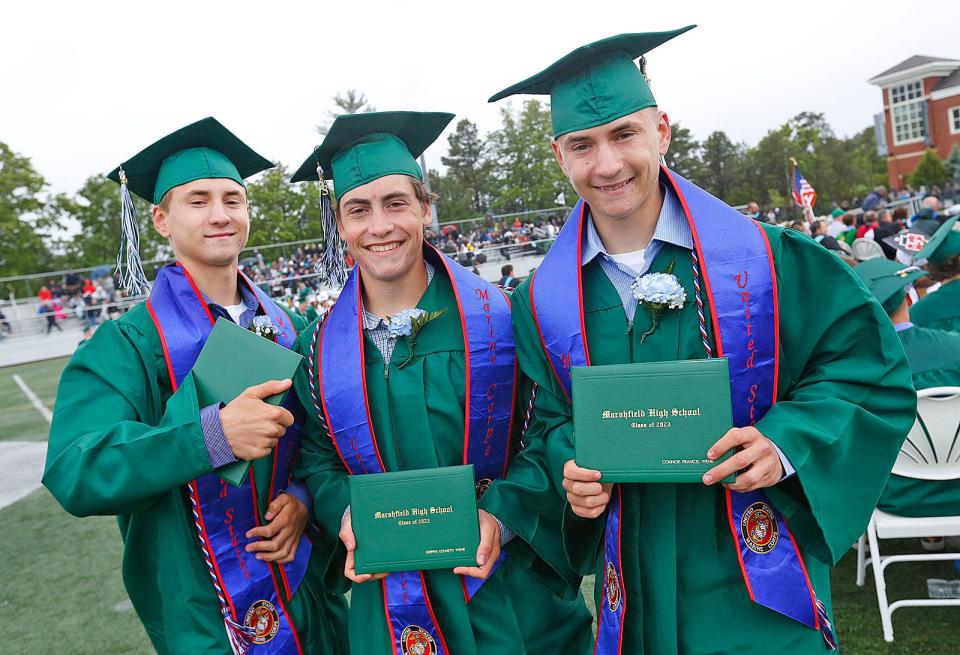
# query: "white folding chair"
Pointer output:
{"type": "Point", "coordinates": [864, 249]}
{"type": "Point", "coordinates": [930, 452]}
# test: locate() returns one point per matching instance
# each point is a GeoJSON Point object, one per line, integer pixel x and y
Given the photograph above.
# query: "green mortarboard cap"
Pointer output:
{"type": "Point", "coordinates": [888, 280]}
{"type": "Point", "coordinates": [596, 83]}
{"type": "Point", "coordinates": [360, 148]}
{"type": "Point", "coordinates": [944, 244]}
{"type": "Point", "coordinates": [201, 150]}
{"type": "Point", "coordinates": [837, 213]}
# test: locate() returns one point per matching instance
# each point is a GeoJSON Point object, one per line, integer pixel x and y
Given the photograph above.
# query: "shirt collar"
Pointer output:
{"type": "Point", "coordinates": [247, 296]}
{"type": "Point", "coordinates": [900, 327]}
{"type": "Point", "coordinates": [672, 227]}
{"type": "Point", "coordinates": [371, 321]}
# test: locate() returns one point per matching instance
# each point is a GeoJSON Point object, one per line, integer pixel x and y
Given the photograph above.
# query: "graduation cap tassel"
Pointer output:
{"type": "Point", "coordinates": [129, 267]}
{"type": "Point", "coordinates": [332, 264]}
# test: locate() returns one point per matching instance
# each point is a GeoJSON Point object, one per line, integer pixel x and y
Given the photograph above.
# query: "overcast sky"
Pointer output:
{"type": "Point", "coordinates": [86, 85]}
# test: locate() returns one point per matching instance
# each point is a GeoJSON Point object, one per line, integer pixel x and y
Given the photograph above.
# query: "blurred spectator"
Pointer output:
{"type": "Point", "coordinates": [507, 282]}
{"type": "Point", "coordinates": [870, 221]}
{"type": "Point", "coordinates": [849, 232]}
{"type": "Point", "coordinates": [874, 199]}
{"type": "Point", "coordinates": [820, 236]}
{"type": "Point", "coordinates": [47, 310]}
{"type": "Point", "coordinates": [928, 219]}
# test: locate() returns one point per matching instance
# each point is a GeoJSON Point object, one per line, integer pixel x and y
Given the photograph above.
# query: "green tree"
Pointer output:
{"type": "Point", "coordinates": [930, 170]}
{"type": "Point", "coordinates": [95, 208]}
{"type": "Point", "coordinates": [25, 219]}
{"type": "Point", "coordinates": [721, 166]}
{"type": "Point", "coordinates": [526, 175]}
{"type": "Point", "coordinates": [953, 162]}
{"type": "Point", "coordinates": [280, 211]}
{"type": "Point", "coordinates": [684, 155]}
{"type": "Point", "coordinates": [454, 200]}
{"type": "Point", "coordinates": [468, 173]}
{"type": "Point", "coordinates": [350, 101]}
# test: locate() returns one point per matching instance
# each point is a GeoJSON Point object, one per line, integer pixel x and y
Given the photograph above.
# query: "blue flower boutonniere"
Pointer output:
{"type": "Point", "coordinates": [407, 324]}
{"type": "Point", "coordinates": [265, 327]}
{"type": "Point", "coordinates": [658, 292]}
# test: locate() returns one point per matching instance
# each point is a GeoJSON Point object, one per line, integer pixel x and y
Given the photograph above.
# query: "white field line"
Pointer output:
{"type": "Point", "coordinates": [28, 392]}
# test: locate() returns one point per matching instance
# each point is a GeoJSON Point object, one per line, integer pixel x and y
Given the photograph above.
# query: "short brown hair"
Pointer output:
{"type": "Point", "coordinates": [420, 191]}
{"type": "Point", "coordinates": [948, 268]}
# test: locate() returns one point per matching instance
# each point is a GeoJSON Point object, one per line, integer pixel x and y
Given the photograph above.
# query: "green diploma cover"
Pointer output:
{"type": "Point", "coordinates": [651, 422]}
{"type": "Point", "coordinates": [233, 359]}
{"type": "Point", "coordinates": [414, 520]}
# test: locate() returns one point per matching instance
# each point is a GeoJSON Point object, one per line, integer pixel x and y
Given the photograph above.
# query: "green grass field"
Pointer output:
{"type": "Point", "coordinates": [19, 419]}
{"type": "Point", "coordinates": [61, 590]}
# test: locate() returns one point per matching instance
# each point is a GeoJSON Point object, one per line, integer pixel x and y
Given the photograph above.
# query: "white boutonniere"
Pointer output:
{"type": "Point", "coordinates": [658, 292]}
{"type": "Point", "coordinates": [265, 327]}
{"type": "Point", "coordinates": [407, 324]}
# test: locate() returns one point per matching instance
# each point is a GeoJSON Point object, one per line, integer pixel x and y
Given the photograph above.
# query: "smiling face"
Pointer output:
{"type": "Point", "coordinates": [615, 167]}
{"type": "Point", "coordinates": [382, 223]}
{"type": "Point", "coordinates": [206, 221]}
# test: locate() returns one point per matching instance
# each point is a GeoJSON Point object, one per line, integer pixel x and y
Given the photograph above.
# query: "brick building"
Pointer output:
{"type": "Point", "coordinates": [921, 109]}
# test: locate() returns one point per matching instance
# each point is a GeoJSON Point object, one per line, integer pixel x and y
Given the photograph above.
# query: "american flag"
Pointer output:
{"type": "Point", "coordinates": [803, 193]}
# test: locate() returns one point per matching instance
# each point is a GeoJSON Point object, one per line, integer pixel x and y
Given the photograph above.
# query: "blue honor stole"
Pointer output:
{"type": "Point", "coordinates": [740, 283]}
{"type": "Point", "coordinates": [252, 593]}
{"type": "Point", "coordinates": [339, 389]}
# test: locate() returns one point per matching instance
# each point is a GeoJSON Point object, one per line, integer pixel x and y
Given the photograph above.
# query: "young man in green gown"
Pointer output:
{"type": "Point", "coordinates": [820, 454]}
{"type": "Point", "coordinates": [934, 357]}
{"type": "Point", "coordinates": [128, 437]}
{"type": "Point", "coordinates": [405, 315]}
{"type": "Point", "coordinates": [941, 309]}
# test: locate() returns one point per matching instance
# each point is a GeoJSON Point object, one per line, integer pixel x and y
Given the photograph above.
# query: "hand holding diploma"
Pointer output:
{"type": "Point", "coordinates": [253, 427]}
{"type": "Point", "coordinates": [489, 550]}
{"type": "Point", "coordinates": [350, 543]}
{"type": "Point", "coordinates": [588, 497]}
{"type": "Point", "coordinates": [756, 457]}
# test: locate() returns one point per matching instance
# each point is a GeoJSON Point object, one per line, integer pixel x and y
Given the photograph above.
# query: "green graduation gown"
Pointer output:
{"type": "Point", "coordinates": [939, 310]}
{"type": "Point", "coordinates": [844, 408]}
{"type": "Point", "coordinates": [121, 443]}
{"type": "Point", "coordinates": [417, 412]}
{"type": "Point", "coordinates": [934, 357]}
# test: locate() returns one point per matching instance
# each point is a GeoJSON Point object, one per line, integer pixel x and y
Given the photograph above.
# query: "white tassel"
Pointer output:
{"type": "Point", "coordinates": [129, 267]}
{"type": "Point", "coordinates": [332, 264]}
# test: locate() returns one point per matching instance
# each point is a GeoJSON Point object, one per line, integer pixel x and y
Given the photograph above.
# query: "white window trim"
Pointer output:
{"type": "Point", "coordinates": [950, 119]}
{"type": "Point", "coordinates": [891, 104]}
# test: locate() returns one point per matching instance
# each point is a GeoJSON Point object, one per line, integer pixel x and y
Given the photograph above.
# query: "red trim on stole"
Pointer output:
{"type": "Point", "coordinates": [276, 584]}
{"type": "Point", "coordinates": [386, 612]}
{"type": "Point", "coordinates": [776, 316]}
{"type": "Point", "coordinates": [433, 617]}
{"type": "Point", "coordinates": [543, 343]}
{"type": "Point", "coordinates": [163, 345]}
{"type": "Point", "coordinates": [703, 266]}
{"type": "Point", "coordinates": [206, 539]}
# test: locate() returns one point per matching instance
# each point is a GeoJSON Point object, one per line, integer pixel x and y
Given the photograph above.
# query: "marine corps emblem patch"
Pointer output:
{"type": "Point", "coordinates": [612, 585]}
{"type": "Point", "coordinates": [414, 640]}
{"type": "Point", "coordinates": [482, 486]}
{"type": "Point", "coordinates": [759, 528]}
{"type": "Point", "coordinates": [263, 619]}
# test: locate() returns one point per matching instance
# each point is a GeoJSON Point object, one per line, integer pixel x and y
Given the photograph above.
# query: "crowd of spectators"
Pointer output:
{"type": "Point", "coordinates": [291, 277]}
{"type": "Point", "coordinates": [881, 225]}
{"type": "Point", "coordinates": [91, 300]}
{"type": "Point", "coordinates": [477, 241]}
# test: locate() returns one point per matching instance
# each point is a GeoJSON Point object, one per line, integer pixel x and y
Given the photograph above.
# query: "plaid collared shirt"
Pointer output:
{"type": "Point", "coordinates": [376, 327]}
